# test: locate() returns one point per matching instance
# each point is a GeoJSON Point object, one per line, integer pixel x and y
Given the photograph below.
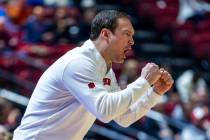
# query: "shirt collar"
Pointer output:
{"type": "Point", "coordinates": [101, 63]}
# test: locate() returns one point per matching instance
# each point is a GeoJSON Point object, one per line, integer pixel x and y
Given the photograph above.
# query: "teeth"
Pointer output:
{"type": "Point", "coordinates": [126, 51]}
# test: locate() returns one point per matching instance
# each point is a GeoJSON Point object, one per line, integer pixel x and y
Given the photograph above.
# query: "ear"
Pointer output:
{"type": "Point", "coordinates": [105, 34]}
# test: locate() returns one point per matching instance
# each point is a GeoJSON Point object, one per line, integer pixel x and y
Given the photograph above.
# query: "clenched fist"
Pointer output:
{"type": "Point", "coordinates": [151, 73]}
{"type": "Point", "coordinates": [164, 83]}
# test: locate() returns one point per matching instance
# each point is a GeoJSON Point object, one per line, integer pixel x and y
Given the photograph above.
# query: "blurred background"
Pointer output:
{"type": "Point", "coordinates": [172, 33]}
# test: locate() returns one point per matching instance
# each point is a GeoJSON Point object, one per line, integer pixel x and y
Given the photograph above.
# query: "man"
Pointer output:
{"type": "Point", "coordinates": [81, 86]}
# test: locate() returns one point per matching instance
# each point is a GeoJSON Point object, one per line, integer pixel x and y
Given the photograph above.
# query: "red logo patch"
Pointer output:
{"type": "Point", "coordinates": [91, 85]}
{"type": "Point", "coordinates": [107, 81]}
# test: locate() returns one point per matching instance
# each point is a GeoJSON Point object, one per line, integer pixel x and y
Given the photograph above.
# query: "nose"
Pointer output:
{"type": "Point", "coordinates": [131, 41]}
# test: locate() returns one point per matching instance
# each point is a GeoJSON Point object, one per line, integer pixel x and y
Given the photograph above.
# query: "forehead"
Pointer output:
{"type": "Point", "coordinates": [125, 25]}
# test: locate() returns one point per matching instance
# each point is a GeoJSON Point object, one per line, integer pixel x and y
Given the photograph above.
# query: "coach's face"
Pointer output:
{"type": "Point", "coordinates": [121, 40]}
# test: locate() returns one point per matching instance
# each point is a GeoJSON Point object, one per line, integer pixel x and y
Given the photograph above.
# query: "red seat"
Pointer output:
{"type": "Point", "coordinates": [182, 33]}
{"type": "Point", "coordinates": [165, 17]}
{"type": "Point", "coordinates": [147, 8]}
{"type": "Point", "coordinates": [174, 3]}
{"type": "Point", "coordinates": [36, 75]}
{"type": "Point", "coordinates": [6, 62]}
{"type": "Point", "coordinates": [203, 26]}
{"type": "Point", "coordinates": [201, 45]}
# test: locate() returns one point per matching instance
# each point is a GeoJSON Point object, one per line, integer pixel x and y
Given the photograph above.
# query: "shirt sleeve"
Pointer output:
{"type": "Point", "coordinates": [140, 108]}
{"type": "Point", "coordinates": [77, 77]}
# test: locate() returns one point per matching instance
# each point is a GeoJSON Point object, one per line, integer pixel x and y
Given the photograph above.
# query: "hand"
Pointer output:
{"type": "Point", "coordinates": [164, 83]}
{"type": "Point", "coordinates": [151, 73]}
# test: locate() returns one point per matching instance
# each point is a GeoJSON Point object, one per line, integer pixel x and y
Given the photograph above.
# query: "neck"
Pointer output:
{"type": "Point", "coordinates": [103, 50]}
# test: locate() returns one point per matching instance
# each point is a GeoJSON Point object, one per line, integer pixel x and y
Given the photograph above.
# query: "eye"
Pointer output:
{"type": "Point", "coordinates": [128, 34]}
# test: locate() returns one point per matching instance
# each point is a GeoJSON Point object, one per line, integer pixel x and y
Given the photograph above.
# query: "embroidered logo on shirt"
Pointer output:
{"type": "Point", "coordinates": [91, 85]}
{"type": "Point", "coordinates": [107, 81]}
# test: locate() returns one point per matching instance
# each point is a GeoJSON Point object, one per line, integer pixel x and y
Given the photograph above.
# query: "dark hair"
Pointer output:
{"type": "Point", "coordinates": [105, 19]}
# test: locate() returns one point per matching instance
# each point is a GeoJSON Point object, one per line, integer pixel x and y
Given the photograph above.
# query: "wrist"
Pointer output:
{"type": "Point", "coordinates": [146, 81]}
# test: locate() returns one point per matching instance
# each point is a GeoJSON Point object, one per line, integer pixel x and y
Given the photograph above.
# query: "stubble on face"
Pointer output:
{"type": "Point", "coordinates": [121, 39]}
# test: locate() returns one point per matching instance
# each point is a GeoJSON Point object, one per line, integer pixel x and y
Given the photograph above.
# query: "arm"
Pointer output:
{"type": "Point", "coordinates": [144, 104]}
{"type": "Point", "coordinates": [140, 108]}
{"type": "Point", "coordinates": [105, 106]}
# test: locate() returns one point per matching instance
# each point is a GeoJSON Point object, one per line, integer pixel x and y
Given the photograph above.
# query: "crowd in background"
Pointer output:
{"type": "Point", "coordinates": [42, 30]}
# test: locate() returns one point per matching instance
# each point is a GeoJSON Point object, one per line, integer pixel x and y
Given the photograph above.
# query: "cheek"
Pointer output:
{"type": "Point", "coordinates": [119, 48]}
{"type": "Point", "coordinates": [121, 42]}
{"type": "Point", "coordinates": [118, 44]}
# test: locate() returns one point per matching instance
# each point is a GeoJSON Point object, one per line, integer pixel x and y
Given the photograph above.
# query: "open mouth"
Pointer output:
{"type": "Point", "coordinates": [126, 52]}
